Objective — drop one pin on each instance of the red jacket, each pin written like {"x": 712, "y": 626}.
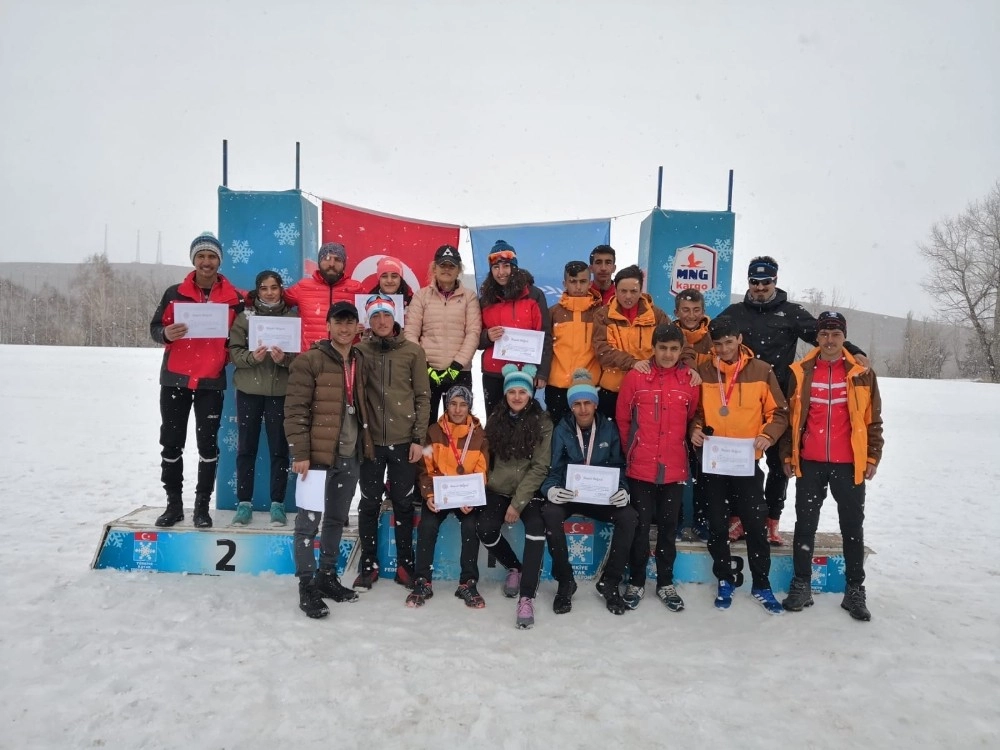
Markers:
{"x": 313, "y": 296}
{"x": 194, "y": 363}
{"x": 653, "y": 414}
{"x": 528, "y": 311}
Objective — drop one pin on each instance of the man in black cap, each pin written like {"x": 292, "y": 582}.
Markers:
{"x": 772, "y": 326}
{"x": 834, "y": 439}
{"x": 326, "y": 423}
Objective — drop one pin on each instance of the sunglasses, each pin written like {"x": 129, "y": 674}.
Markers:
{"x": 762, "y": 282}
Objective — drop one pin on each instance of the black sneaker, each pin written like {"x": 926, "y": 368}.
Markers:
{"x": 422, "y": 591}
{"x": 799, "y": 595}
{"x": 612, "y": 597}
{"x": 855, "y": 603}
{"x": 468, "y": 593}
{"x": 173, "y": 514}
{"x": 563, "y": 602}
{"x": 310, "y": 601}
{"x": 329, "y": 587}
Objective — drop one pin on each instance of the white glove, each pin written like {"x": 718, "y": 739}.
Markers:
{"x": 559, "y": 495}
{"x": 619, "y": 499}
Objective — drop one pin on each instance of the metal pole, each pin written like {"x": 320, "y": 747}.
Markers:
{"x": 659, "y": 188}
{"x": 298, "y": 153}
{"x": 729, "y": 201}
{"x": 225, "y": 163}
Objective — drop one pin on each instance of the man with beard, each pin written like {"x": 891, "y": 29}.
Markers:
{"x": 315, "y": 294}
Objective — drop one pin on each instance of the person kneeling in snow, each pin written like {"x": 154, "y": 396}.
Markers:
{"x": 584, "y": 437}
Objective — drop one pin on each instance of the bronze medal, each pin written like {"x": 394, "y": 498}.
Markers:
{"x": 460, "y": 469}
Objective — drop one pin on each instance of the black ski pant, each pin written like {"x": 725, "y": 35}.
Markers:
{"x": 555, "y": 402}
{"x": 438, "y": 390}
{"x": 395, "y": 461}
{"x": 607, "y": 402}
{"x": 175, "y": 408}
{"x": 341, "y": 481}
{"x": 776, "y": 487}
{"x": 624, "y": 519}
{"x": 488, "y": 524}
{"x": 659, "y": 501}
{"x": 427, "y": 534}
{"x": 743, "y": 497}
{"x": 810, "y": 492}
{"x": 492, "y": 392}
{"x": 250, "y": 411}
{"x": 698, "y": 503}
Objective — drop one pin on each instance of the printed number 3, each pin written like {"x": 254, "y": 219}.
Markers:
{"x": 223, "y": 563}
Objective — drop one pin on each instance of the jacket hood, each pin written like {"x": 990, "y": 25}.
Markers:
{"x": 580, "y": 304}
{"x": 644, "y": 315}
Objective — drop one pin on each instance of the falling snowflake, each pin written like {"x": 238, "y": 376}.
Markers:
{"x": 286, "y": 277}
{"x": 231, "y": 439}
{"x": 240, "y": 251}
{"x": 115, "y": 539}
{"x": 145, "y": 551}
{"x": 287, "y": 233}
{"x": 579, "y": 550}
{"x": 724, "y": 249}
{"x": 715, "y": 297}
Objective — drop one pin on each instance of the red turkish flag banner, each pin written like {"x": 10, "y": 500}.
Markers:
{"x": 369, "y": 235}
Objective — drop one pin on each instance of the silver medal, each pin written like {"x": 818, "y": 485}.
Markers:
{"x": 350, "y": 409}
{"x": 724, "y": 410}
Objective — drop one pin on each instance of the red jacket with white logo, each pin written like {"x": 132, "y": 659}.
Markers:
{"x": 527, "y": 310}
{"x": 827, "y": 436}
{"x": 653, "y": 414}
{"x": 313, "y": 296}
{"x": 194, "y": 363}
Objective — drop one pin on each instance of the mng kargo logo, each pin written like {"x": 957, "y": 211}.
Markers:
{"x": 694, "y": 268}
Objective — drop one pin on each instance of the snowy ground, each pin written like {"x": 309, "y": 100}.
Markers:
{"x": 125, "y": 660}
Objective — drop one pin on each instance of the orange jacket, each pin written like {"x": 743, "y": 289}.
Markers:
{"x": 864, "y": 404}
{"x": 619, "y": 343}
{"x": 573, "y": 338}
{"x": 756, "y": 405}
{"x": 439, "y": 458}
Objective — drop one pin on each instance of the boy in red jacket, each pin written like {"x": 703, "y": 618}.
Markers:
{"x": 653, "y": 413}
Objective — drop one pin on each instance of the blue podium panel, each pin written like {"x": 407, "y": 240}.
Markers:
{"x": 134, "y": 543}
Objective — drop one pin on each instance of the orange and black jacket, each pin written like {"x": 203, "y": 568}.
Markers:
{"x": 572, "y": 320}
{"x": 439, "y": 458}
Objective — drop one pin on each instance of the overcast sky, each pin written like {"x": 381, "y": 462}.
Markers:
{"x": 852, "y": 126}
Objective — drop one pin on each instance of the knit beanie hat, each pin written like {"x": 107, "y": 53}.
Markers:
{"x": 461, "y": 391}
{"x": 379, "y": 303}
{"x": 515, "y": 378}
{"x": 582, "y": 389}
{"x": 206, "y": 241}
{"x": 332, "y": 248}
{"x": 831, "y": 320}
{"x": 502, "y": 252}
{"x": 388, "y": 264}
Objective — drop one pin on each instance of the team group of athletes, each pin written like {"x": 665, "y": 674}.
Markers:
{"x": 624, "y": 388}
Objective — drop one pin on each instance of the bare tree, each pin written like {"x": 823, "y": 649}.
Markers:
{"x": 963, "y": 253}
{"x": 923, "y": 354}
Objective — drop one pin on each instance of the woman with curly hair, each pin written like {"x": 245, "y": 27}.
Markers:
{"x": 519, "y": 433}
{"x": 509, "y": 299}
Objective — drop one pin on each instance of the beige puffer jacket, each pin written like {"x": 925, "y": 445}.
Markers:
{"x": 447, "y": 328}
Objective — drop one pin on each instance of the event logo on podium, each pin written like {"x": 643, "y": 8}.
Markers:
{"x": 695, "y": 267}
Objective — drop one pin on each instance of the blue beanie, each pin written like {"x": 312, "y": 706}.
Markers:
{"x": 582, "y": 389}
{"x": 206, "y": 241}
{"x": 502, "y": 252}
{"x": 515, "y": 378}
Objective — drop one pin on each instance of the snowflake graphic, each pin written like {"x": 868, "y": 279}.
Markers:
{"x": 279, "y": 545}
{"x": 231, "y": 439}
{"x": 240, "y": 251}
{"x": 818, "y": 577}
{"x": 145, "y": 551}
{"x": 579, "y": 550}
{"x": 606, "y": 533}
{"x": 724, "y": 249}
{"x": 232, "y": 482}
{"x": 115, "y": 539}
{"x": 668, "y": 265}
{"x": 286, "y": 277}
{"x": 287, "y": 233}
{"x": 841, "y": 565}
{"x": 715, "y": 297}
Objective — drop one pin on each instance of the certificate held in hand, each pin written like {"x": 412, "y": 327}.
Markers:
{"x": 275, "y": 331}
{"x": 520, "y": 345}
{"x": 733, "y": 457}
{"x": 205, "y": 320}
{"x": 592, "y": 484}
{"x": 460, "y": 491}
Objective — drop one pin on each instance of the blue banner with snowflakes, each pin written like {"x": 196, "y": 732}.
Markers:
{"x": 688, "y": 250}
{"x": 542, "y": 249}
{"x": 259, "y": 230}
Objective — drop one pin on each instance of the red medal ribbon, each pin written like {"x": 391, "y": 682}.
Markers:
{"x": 349, "y": 384}
{"x": 729, "y": 391}
{"x": 459, "y": 459}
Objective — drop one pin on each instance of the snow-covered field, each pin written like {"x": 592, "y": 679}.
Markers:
{"x": 137, "y": 660}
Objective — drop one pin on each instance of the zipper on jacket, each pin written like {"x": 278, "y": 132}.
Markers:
{"x": 829, "y": 409}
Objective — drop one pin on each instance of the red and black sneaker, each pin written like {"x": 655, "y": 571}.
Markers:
{"x": 422, "y": 591}
{"x": 404, "y": 577}
{"x": 468, "y": 593}
{"x": 367, "y": 578}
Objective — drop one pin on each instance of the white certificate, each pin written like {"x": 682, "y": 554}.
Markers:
{"x": 593, "y": 484}
{"x": 456, "y": 492}
{"x": 734, "y": 457}
{"x": 310, "y": 493}
{"x": 520, "y": 345}
{"x": 397, "y": 300}
{"x": 274, "y": 330}
{"x": 205, "y": 320}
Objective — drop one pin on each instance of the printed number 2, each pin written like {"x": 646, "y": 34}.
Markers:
{"x": 737, "y": 565}
{"x": 223, "y": 563}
